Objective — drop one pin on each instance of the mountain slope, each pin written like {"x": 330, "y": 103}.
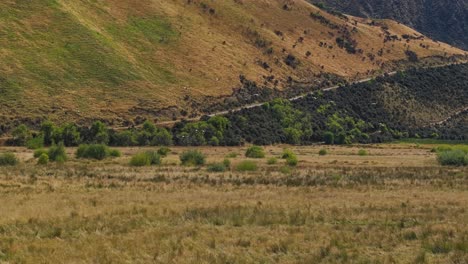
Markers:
{"x": 118, "y": 59}
{"x": 444, "y": 20}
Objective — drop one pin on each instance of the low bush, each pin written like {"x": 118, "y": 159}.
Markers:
{"x": 192, "y": 158}
{"x": 96, "y": 151}
{"x": 255, "y": 152}
{"x": 290, "y": 157}
{"x": 287, "y": 153}
{"x": 8, "y": 159}
{"x": 217, "y": 167}
{"x": 39, "y": 152}
{"x": 35, "y": 143}
{"x": 164, "y": 151}
{"x": 57, "y": 153}
{"x": 453, "y": 158}
{"x": 362, "y": 152}
{"x": 145, "y": 159}
{"x": 323, "y": 152}
{"x": 43, "y": 159}
{"x": 292, "y": 161}
{"x": 272, "y": 161}
{"x": 115, "y": 153}
{"x": 247, "y": 166}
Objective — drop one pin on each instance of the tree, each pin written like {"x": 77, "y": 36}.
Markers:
{"x": 162, "y": 137}
{"x": 99, "y": 133}
{"x": 47, "y": 130}
{"x": 329, "y": 138}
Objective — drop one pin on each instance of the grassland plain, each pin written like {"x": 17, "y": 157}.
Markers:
{"x": 394, "y": 205}
{"x": 108, "y": 59}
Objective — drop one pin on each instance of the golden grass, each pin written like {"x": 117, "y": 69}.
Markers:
{"x": 394, "y": 206}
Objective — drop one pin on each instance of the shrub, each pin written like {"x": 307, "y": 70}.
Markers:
{"x": 115, "y": 153}
{"x": 57, "y": 153}
{"x": 290, "y": 157}
{"x": 247, "y": 166}
{"x": 453, "y": 158}
{"x": 255, "y": 152}
{"x": 323, "y": 152}
{"x": 192, "y": 158}
{"x": 272, "y": 161}
{"x": 164, "y": 151}
{"x": 35, "y": 143}
{"x": 140, "y": 160}
{"x": 95, "y": 151}
{"x": 362, "y": 152}
{"x": 287, "y": 153}
{"x": 145, "y": 159}
{"x": 217, "y": 167}
{"x": 154, "y": 157}
{"x": 8, "y": 159}
{"x": 43, "y": 159}
{"x": 39, "y": 152}
{"x": 292, "y": 161}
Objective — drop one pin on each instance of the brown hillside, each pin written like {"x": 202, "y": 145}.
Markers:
{"x": 116, "y": 59}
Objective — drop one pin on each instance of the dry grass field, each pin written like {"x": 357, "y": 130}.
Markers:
{"x": 394, "y": 205}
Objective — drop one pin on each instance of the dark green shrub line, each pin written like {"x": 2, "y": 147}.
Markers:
{"x": 352, "y": 114}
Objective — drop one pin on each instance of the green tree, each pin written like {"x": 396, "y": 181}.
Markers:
{"x": 99, "y": 133}
{"x": 47, "y": 130}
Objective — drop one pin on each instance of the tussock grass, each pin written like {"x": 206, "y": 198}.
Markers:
{"x": 341, "y": 213}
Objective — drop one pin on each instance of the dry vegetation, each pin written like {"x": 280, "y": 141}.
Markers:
{"x": 115, "y": 59}
{"x": 394, "y": 205}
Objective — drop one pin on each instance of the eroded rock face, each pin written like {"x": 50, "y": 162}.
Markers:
{"x": 443, "y": 20}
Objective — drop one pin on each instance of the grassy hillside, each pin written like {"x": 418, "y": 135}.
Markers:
{"x": 117, "y": 60}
